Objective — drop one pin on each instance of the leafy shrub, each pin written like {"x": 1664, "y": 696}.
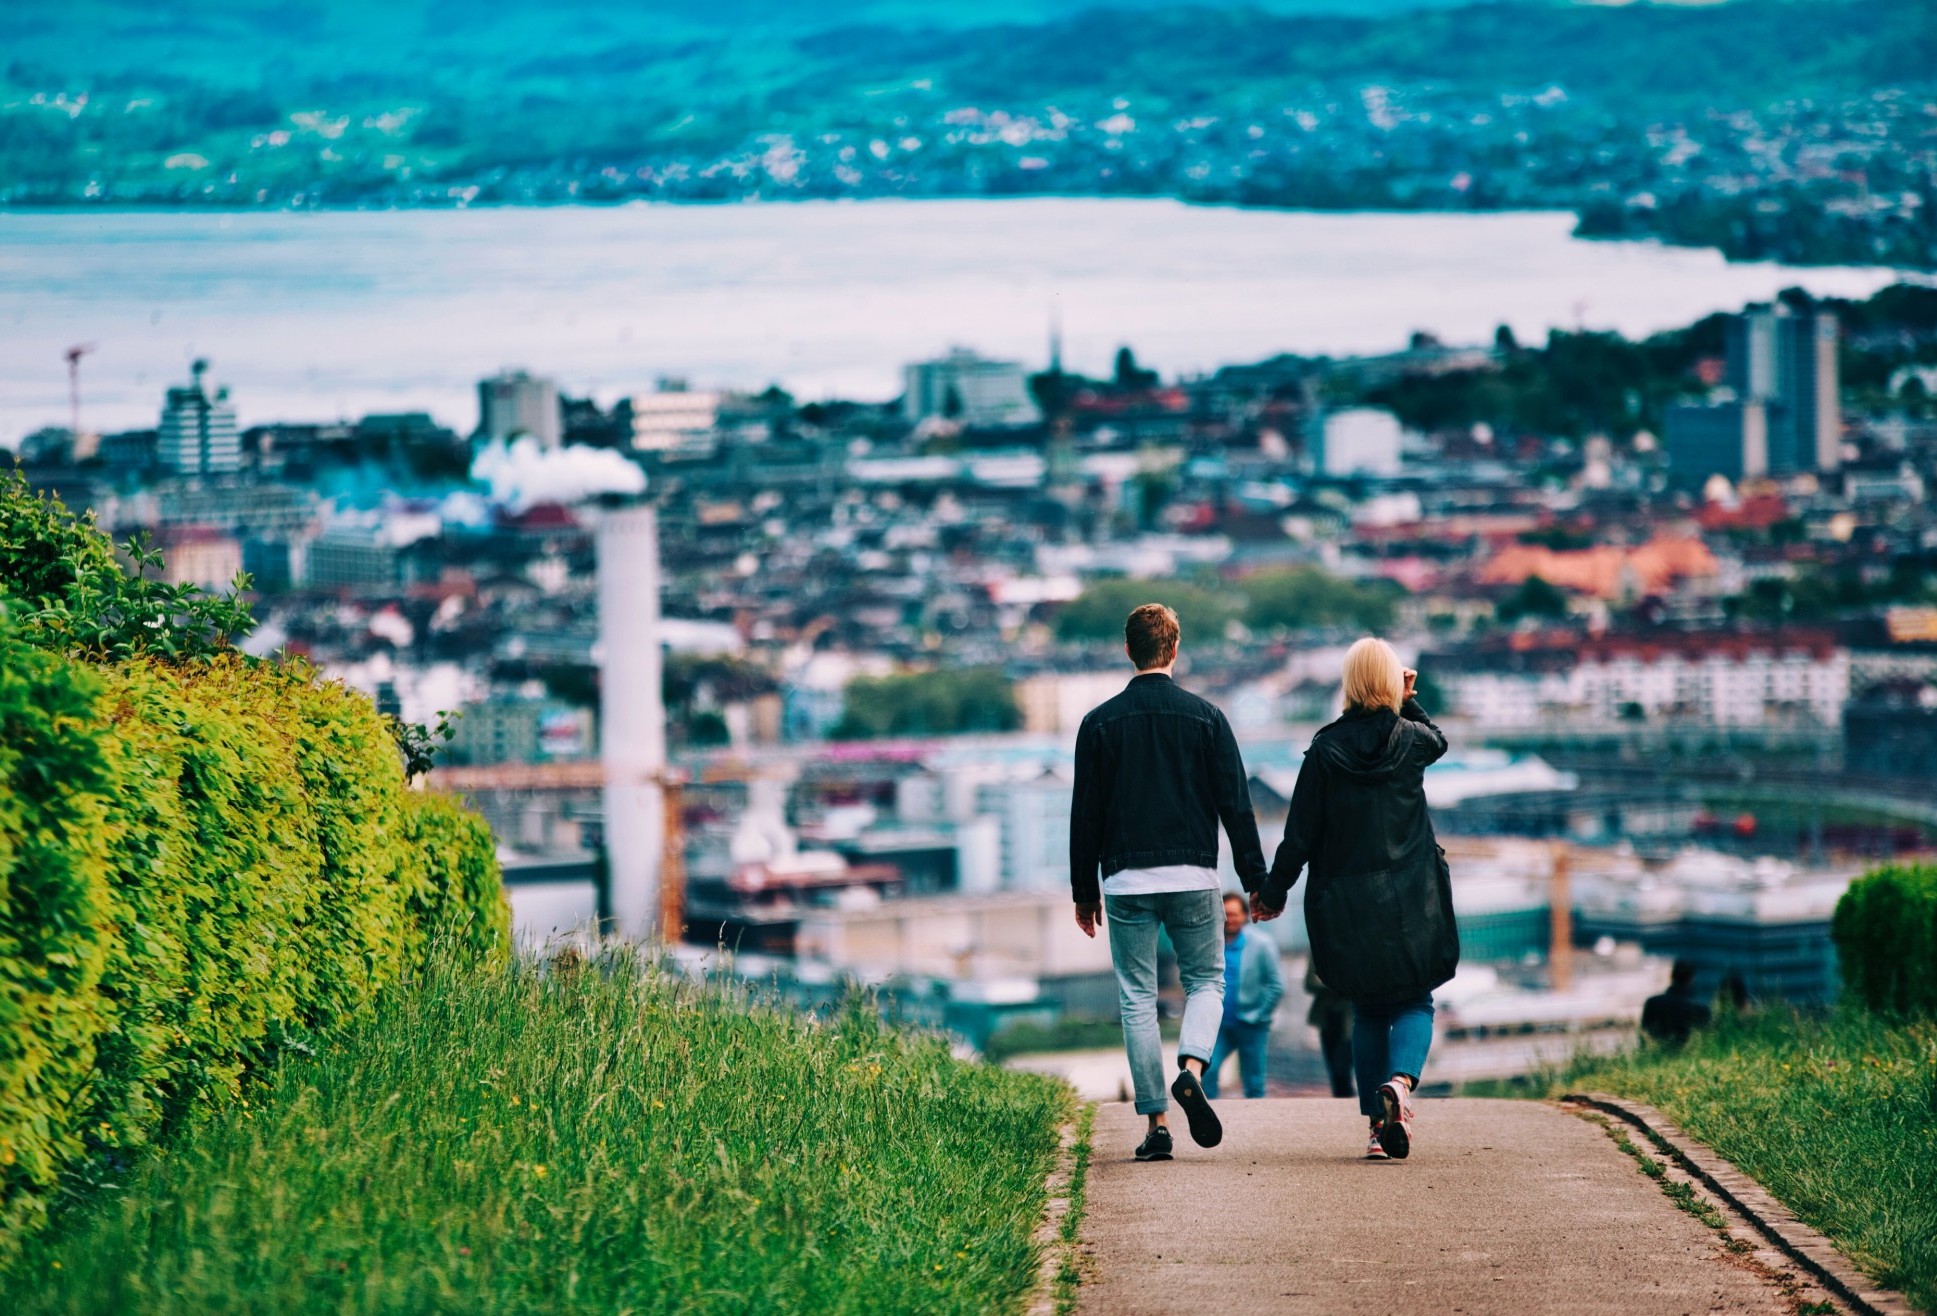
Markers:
{"x": 928, "y": 704}
{"x": 1098, "y": 613}
{"x": 1294, "y": 598}
{"x": 71, "y": 595}
{"x": 200, "y": 864}
{"x": 1886, "y": 937}
{"x": 55, "y": 896}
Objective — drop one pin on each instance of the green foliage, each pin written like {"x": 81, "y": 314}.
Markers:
{"x": 200, "y": 864}
{"x": 56, "y": 891}
{"x": 66, "y": 591}
{"x": 1276, "y": 598}
{"x": 1836, "y": 1116}
{"x": 1297, "y": 598}
{"x": 1099, "y": 612}
{"x": 936, "y": 703}
{"x": 1578, "y": 384}
{"x": 1818, "y": 593}
{"x": 417, "y": 744}
{"x": 1886, "y": 939}
{"x": 1022, "y": 1038}
{"x": 1533, "y": 597}
{"x": 582, "y": 1138}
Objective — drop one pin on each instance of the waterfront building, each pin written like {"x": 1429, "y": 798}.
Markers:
{"x": 198, "y": 434}
{"x": 968, "y": 388}
{"x": 513, "y": 403}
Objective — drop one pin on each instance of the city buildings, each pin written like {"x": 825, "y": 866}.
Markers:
{"x": 513, "y": 403}
{"x": 198, "y": 434}
{"x": 1578, "y": 616}
{"x": 1702, "y": 680}
{"x": 200, "y": 555}
{"x": 1356, "y": 441}
{"x": 969, "y": 389}
{"x": 1779, "y": 412}
{"x": 673, "y": 417}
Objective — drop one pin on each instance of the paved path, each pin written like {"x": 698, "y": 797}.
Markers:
{"x": 1504, "y": 1206}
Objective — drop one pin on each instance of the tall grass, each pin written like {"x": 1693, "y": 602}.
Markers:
{"x": 601, "y": 1139}
{"x": 1836, "y": 1115}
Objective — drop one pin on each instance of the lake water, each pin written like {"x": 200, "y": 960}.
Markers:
{"x": 318, "y": 316}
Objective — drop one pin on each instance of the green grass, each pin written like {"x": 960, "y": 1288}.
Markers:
{"x": 600, "y": 1140}
{"x": 1836, "y": 1116}
{"x": 1069, "y": 1274}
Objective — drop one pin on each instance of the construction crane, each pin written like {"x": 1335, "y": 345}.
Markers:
{"x": 74, "y": 355}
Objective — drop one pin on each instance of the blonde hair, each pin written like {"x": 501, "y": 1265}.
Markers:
{"x": 1374, "y": 677}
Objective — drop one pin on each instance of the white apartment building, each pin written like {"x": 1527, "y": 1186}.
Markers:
{"x": 672, "y": 417}
{"x": 1715, "y": 680}
{"x": 968, "y": 388}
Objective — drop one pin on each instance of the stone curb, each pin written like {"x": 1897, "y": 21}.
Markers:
{"x": 1802, "y": 1244}
{"x": 1048, "y": 1236}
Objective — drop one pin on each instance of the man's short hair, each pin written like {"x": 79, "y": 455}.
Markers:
{"x": 1229, "y": 896}
{"x": 1151, "y": 632}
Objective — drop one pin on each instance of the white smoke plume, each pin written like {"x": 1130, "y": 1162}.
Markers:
{"x": 522, "y": 474}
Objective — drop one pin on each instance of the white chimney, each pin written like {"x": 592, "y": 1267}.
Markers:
{"x": 632, "y": 716}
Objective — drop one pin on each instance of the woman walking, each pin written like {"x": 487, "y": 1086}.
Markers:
{"x": 1379, "y": 905}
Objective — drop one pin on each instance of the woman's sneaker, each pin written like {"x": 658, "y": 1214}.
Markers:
{"x": 1395, "y": 1132}
{"x": 1373, "y": 1150}
{"x": 1155, "y": 1145}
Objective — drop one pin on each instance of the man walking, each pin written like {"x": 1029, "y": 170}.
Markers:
{"x": 1253, "y": 985}
{"x": 1156, "y": 771}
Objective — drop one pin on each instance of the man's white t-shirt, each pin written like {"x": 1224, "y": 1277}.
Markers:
{"x": 1155, "y": 881}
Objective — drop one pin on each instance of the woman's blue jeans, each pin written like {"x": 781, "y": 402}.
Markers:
{"x": 1388, "y": 1040}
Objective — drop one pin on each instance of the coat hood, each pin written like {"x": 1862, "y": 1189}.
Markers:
{"x": 1368, "y": 745}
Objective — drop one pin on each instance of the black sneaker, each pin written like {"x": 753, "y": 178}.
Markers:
{"x": 1155, "y": 1145}
{"x": 1206, "y": 1130}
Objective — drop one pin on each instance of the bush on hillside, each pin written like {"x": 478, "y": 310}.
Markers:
{"x": 1099, "y": 612}
{"x": 1886, "y": 937}
{"x": 974, "y": 699}
{"x": 69, "y": 593}
{"x": 199, "y": 864}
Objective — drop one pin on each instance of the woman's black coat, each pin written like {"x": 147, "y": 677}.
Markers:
{"x": 1379, "y": 905}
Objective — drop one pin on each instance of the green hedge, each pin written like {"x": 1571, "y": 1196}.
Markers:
{"x": 1886, "y": 937}
{"x": 200, "y": 865}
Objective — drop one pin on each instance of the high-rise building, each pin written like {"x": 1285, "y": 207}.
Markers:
{"x": 198, "y": 434}
{"x": 968, "y": 388}
{"x": 1780, "y": 414}
{"x": 1784, "y": 356}
{"x": 513, "y": 403}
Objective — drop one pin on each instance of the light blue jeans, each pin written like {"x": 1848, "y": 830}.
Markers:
{"x": 1195, "y": 922}
{"x": 1248, "y": 1042}
{"x": 1388, "y": 1040}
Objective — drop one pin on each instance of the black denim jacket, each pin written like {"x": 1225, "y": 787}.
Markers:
{"x": 1156, "y": 769}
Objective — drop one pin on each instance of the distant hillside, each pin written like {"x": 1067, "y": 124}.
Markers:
{"x": 1767, "y": 127}
{"x": 211, "y": 36}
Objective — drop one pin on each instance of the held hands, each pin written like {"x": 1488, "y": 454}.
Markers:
{"x": 1261, "y": 912}
{"x": 1412, "y": 680}
{"x": 1088, "y": 917}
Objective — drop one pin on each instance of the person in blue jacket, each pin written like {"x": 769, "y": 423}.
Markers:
{"x": 1253, "y": 986}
